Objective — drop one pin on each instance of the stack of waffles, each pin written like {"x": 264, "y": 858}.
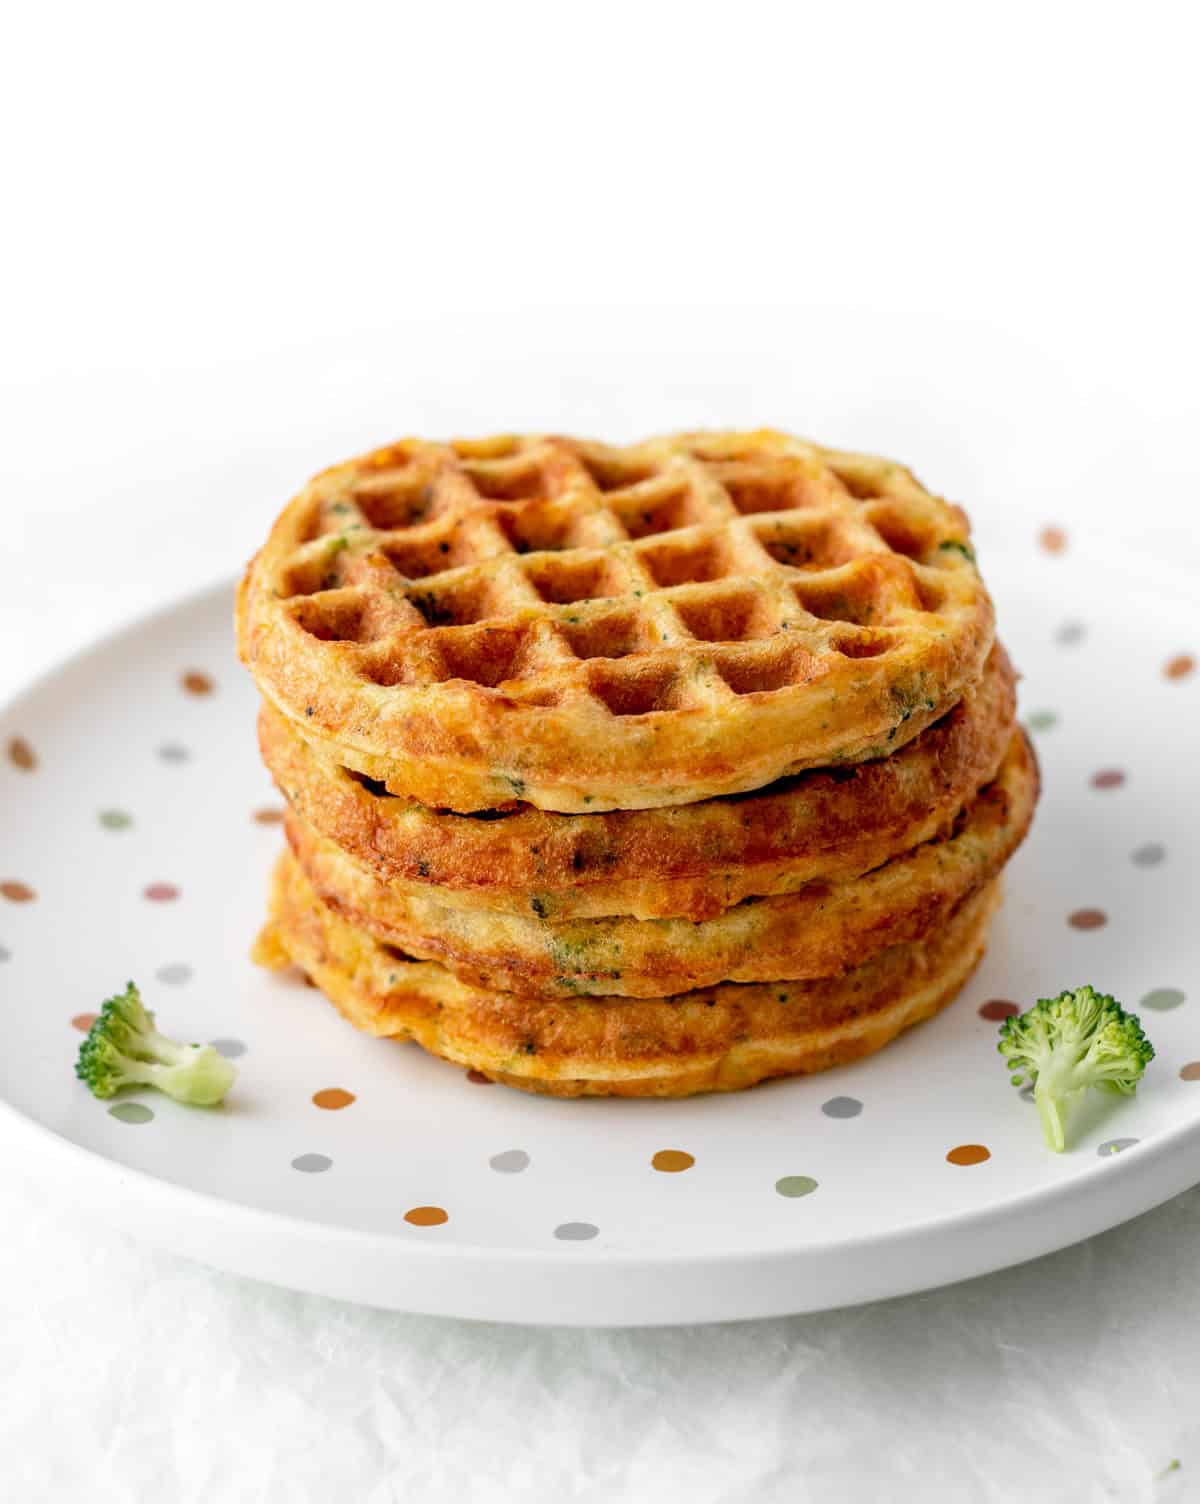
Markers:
{"x": 639, "y": 770}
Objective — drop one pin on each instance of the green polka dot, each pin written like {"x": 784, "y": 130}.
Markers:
{"x": 115, "y": 819}
{"x": 576, "y": 1232}
{"x": 175, "y": 973}
{"x": 1162, "y": 998}
{"x": 1151, "y": 854}
{"x": 796, "y": 1185}
{"x": 1042, "y": 720}
{"x": 510, "y": 1161}
{"x": 131, "y": 1112}
{"x": 312, "y": 1164}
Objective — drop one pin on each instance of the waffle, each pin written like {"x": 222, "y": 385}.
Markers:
{"x": 721, "y": 1039}
{"x": 820, "y": 931}
{"x": 692, "y": 861}
{"x": 581, "y": 627}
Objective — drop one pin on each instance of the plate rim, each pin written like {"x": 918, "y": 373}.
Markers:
{"x": 120, "y": 1195}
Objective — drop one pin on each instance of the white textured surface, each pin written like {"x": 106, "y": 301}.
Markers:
{"x": 174, "y": 197}
{"x": 131, "y": 1376}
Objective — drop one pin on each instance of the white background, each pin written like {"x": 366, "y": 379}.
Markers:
{"x": 241, "y": 241}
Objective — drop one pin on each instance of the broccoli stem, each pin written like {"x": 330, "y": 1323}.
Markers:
{"x": 199, "y": 1081}
{"x": 1050, "y": 1112}
{"x": 166, "y": 1051}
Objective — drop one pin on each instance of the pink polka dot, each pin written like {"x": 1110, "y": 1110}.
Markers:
{"x": 161, "y": 892}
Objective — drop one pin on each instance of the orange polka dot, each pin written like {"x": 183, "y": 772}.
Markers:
{"x": 968, "y": 1154}
{"x": 195, "y": 682}
{"x": 1191, "y": 1071}
{"x": 83, "y": 1022}
{"x": 426, "y": 1216}
{"x": 268, "y": 816}
{"x": 1053, "y": 539}
{"x": 17, "y": 892}
{"x": 1088, "y": 919}
{"x": 22, "y": 755}
{"x": 1180, "y": 666}
{"x": 333, "y": 1098}
{"x": 671, "y": 1161}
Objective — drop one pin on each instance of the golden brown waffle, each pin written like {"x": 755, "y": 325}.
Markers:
{"x": 722, "y": 1039}
{"x": 583, "y": 627}
{"x": 820, "y": 931}
{"x": 690, "y": 861}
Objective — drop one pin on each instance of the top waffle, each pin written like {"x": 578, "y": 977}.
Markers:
{"x": 583, "y": 627}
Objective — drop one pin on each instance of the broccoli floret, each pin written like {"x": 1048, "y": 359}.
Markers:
{"x": 1067, "y": 1043}
{"x": 123, "y": 1048}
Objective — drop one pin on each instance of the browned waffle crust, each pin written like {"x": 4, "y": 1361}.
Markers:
{"x": 582, "y": 627}
{"x": 721, "y": 1039}
{"x": 689, "y": 861}
{"x": 820, "y": 930}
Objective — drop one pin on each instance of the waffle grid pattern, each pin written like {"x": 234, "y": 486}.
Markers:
{"x": 669, "y": 575}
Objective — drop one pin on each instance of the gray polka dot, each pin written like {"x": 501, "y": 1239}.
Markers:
{"x": 230, "y": 1048}
{"x": 1115, "y": 1145}
{"x": 5, "y": 954}
{"x": 1042, "y": 720}
{"x": 1069, "y": 633}
{"x": 1152, "y": 854}
{"x": 575, "y": 1232}
{"x": 510, "y": 1162}
{"x": 796, "y": 1185}
{"x": 131, "y": 1112}
{"x": 1163, "y": 998}
{"x": 115, "y": 819}
{"x": 174, "y": 974}
{"x": 173, "y": 752}
{"x": 312, "y": 1164}
{"x": 842, "y": 1107}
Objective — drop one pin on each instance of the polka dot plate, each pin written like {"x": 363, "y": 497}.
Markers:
{"x": 138, "y": 830}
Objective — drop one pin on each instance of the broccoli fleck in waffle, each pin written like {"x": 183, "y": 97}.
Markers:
{"x": 582, "y": 627}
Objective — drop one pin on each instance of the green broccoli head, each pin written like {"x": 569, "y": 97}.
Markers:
{"x": 1065, "y": 1044}
{"x": 123, "y": 1048}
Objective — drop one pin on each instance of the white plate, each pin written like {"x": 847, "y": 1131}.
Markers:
{"x": 554, "y": 1211}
